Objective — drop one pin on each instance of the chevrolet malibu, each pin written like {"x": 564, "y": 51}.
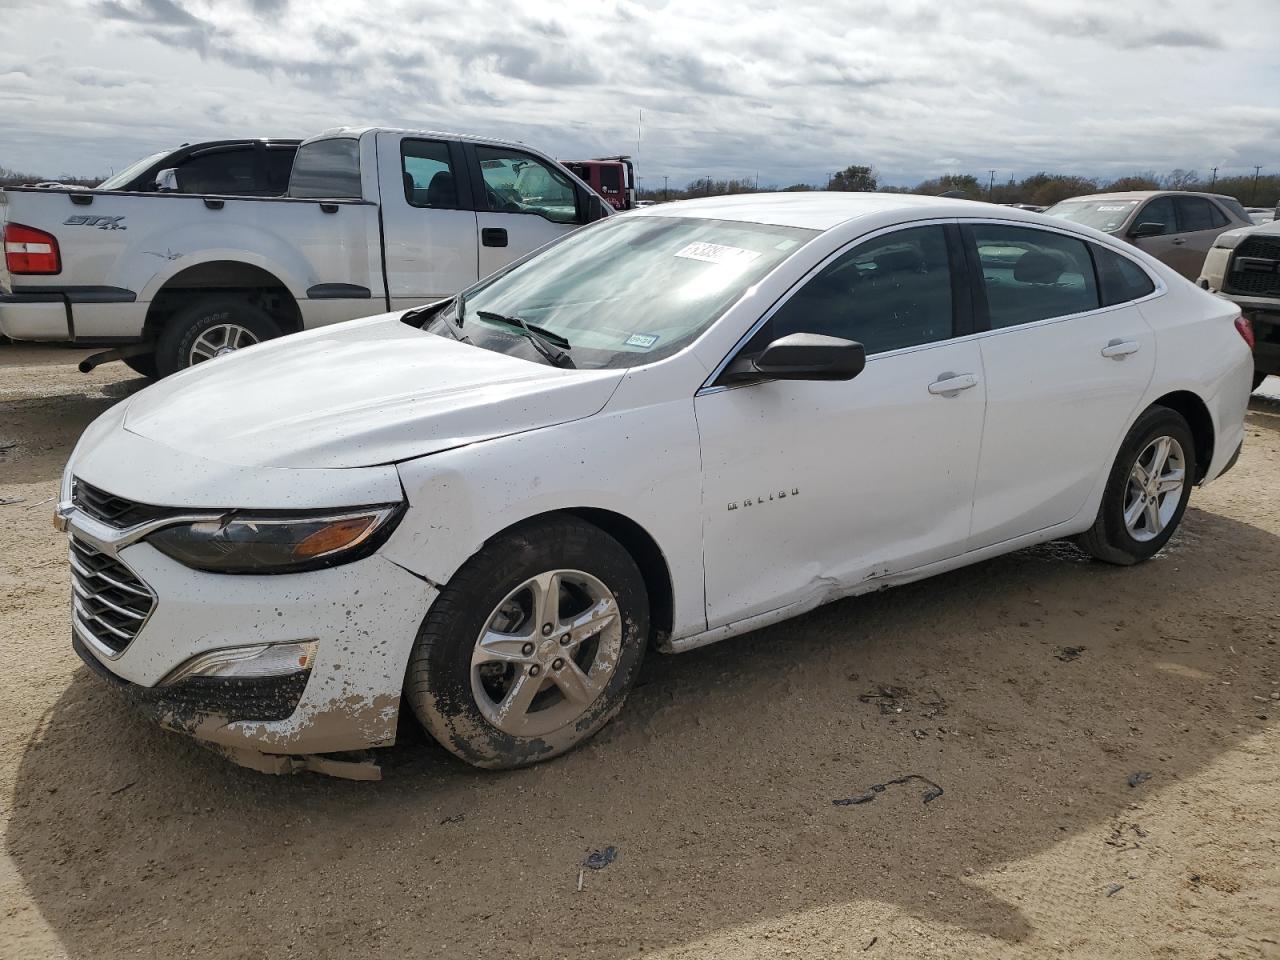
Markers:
{"x": 664, "y": 430}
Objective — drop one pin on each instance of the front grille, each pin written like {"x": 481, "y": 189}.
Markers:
{"x": 108, "y": 602}
{"x": 1255, "y": 267}
{"x": 112, "y": 510}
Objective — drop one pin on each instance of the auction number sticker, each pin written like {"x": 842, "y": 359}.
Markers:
{"x": 716, "y": 253}
{"x": 645, "y": 340}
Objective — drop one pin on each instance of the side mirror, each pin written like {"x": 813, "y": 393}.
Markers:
{"x": 594, "y": 207}
{"x": 801, "y": 356}
{"x": 167, "y": 180}
{"x": 1148, "y": 229}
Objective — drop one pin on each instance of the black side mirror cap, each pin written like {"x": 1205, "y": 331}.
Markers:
{"x": 801, "y": 356}
{"x": 1148, "y": 229}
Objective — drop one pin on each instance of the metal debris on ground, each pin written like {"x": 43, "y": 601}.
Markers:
{"x": 5, "y": 501}
{"x": 1114, "y": 889}
{"x": 1138, "y": 778}
{"x": 456, "y": 818}
{"x": 599, "y": 859}
{"x": 1067, "y": 654}
{"x": 894, "y": 700}
{"x": 42, "y": 502}
{"x": 1120, "y": 836}
{"x": 933, "y": 793}
{"x": 8, "y": 446}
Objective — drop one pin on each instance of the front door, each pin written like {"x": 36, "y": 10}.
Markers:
{"x": 812, "y": 488}
{"x": 1065, "y": 363}
{"x": 524, "y": 203}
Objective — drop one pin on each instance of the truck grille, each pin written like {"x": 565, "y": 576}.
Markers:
{"x": 1255, "y": 267}
{"x": 110, "y": 509}
{"x": 109, "y": 603}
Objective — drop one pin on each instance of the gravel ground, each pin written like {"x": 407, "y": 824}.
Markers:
{"x": 715, "y": 785}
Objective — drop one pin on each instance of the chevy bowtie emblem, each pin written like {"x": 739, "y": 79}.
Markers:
{"x": 752, "y": 501}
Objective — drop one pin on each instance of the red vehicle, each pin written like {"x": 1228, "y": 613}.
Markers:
{"x": 614, "y": 178}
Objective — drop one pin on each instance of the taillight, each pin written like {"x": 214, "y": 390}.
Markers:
{"x": 28, "y": 250}
{"x": 1245, "y": 329}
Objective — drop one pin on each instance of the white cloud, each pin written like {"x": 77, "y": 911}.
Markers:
{"x": 728, "y": 89}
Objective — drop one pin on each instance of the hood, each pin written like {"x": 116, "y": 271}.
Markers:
{"x": 357, "y": 394}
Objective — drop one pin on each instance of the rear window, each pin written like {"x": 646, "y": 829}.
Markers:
{"x": 611, "y": 179}
{"x": 1119, "y": 278}
{"x": 327, "y": 169}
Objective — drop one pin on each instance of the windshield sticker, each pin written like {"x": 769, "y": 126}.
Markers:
{"x": 716, "y": 253}
{"x": 645, "y": 340}
{"x": 1114, "y": 206}
{"x": 786, "y": 244}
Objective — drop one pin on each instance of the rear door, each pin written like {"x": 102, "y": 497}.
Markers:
{"x": 1199, "y": 223}
{"x": 1065, "y": 367}
{"x": 428, "y": 219}
{"x": 522, "y": 202}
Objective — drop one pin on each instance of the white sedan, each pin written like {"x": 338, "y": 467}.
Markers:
{"x": 669, "y": 428}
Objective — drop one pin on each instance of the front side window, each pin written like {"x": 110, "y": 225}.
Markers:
{"x": 515, "y": 182}
{"x": 624, "y": 292}
{"x": 1119, "y": 278}
{"x": 230, "y": 172}
{"x": 887, "y": 293}
{"x": 327, "y": 169}
{"x": 428, "y": 174}
{"x": 1032, "y": 275}
{"x": 1159, "y": 210}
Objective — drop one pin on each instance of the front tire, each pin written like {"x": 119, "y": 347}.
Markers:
{"x": 143, "y": 364}
{"x": 1147, "y": 491}
{"x": 533, "y": 645}
{"x": 211, "y": 328}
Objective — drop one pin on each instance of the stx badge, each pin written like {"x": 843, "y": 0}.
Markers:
{"x": 102, "y": 223}
{"x": 752, "y": 501}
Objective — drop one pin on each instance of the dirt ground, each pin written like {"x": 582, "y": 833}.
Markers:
{"x": 715, "y": 786}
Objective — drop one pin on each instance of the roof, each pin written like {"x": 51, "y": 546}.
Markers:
{"x": 1144, "y": 194}
{"x": 822, "y": 209}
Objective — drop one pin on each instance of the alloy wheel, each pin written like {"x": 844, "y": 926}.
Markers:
{"x": 220, "y": 339}
{"x": 1154, "y": 489}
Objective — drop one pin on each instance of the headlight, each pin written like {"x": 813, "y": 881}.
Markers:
{"x": 1229, "y": 240}
{"x": 267, "y": 544}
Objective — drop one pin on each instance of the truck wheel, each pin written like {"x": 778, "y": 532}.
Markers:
{"x": 1147, "y": 491}
{"x": 532, "y": 646}
{"x": 208, "y": 329}
{"x": 144, "y": 364}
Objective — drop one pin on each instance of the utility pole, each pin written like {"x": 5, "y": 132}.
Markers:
{"x": 1253, "y": 194}
{"x": 1215, "y": 178}
{"x": 757, "y": 181}
{"x": 665, "y": 196}
{"x": 991, "y": 185}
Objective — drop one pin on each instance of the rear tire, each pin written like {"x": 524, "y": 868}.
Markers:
{"x": 208, "y": 328}
{"x": 501, "y": 678}
{"x": 1142, "y": 507}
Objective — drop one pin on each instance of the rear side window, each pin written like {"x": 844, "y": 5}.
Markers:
{"x": 1032, "y": 274}
{"x": 327, "y": 169}
{"x": 428, "y": 174}
{"x": 1197, "y": 213}
{"x": 230, "y": 172}
{"x": 888, "y": 293}
{"x": 1119, "y": 278}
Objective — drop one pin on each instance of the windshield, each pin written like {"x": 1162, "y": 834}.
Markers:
{"x": 623, "y": 292}
{"x": 121, "y": 180}
{"x": 1104, "y": 215}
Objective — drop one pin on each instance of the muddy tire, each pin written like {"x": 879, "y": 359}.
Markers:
{"x": 1147, "y": 490}
{"x": 210, "y": 328}
{"x": 533, "y": 645}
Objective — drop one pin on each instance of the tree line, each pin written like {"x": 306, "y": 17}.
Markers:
{"x": 1041, "y": 189}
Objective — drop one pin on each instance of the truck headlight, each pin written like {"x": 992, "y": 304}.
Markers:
{"x": 1229, "y": 240}
{"x": 273, "y": 544}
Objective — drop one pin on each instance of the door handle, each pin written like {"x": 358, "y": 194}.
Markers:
{"x": 949, "y": 384}
{"x": 493, "y": 237}
{"x": 1119, "y": 349}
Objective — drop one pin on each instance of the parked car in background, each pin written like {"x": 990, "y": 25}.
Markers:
{"x": 1261, "y": 214}
{"x": 614, "y": 178}
{"x": 1244, "y": 267}
{"x": 1173, "y": 226}
{"x": 240, "y": 168}
{"x": 373, "y": 219}
{"x": 672, "y": 427}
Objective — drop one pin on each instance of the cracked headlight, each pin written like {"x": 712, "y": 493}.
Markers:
{"x": 277, "y": 544}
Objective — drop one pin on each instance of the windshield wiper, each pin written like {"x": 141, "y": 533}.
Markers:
{"x": 546, "y": 342}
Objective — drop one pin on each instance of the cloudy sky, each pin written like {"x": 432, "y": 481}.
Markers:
{"x": 788, "y": 90}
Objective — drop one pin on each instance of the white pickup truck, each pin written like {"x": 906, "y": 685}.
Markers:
{"x": 374, "y": 220}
